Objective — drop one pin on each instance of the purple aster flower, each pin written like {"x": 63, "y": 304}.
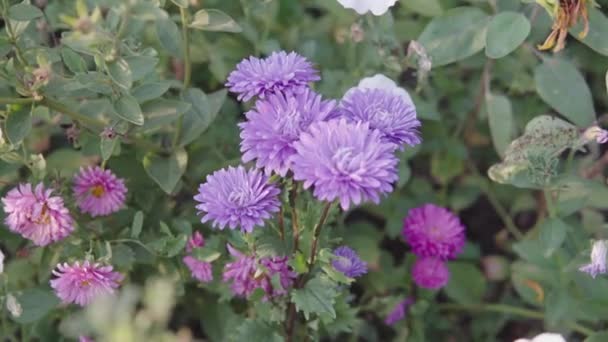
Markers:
{"x": 195, "y": 241}
{"x": 384, "y": 111}
{"x": 279, "y": 72}
{"x": 82, "y": 283}
{"x": 598, "y": 259}
{"x": 433, "y": 231}
{"x": 430, "y": 273}
{"x": 247, "y": 275}
{"x": 345, "y": 161}
{"x": 37, "y": 215}
{"x": 99, "y": 192}
{"x": 200, "y": 270}
{"x": 237, "y": 197}
{"x": 280, "y": 266}
{"x": 348, "y": 262}
{"x": 276, "y": 123}
{"x": 399, "y": 311}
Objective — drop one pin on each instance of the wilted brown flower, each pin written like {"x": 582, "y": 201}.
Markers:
{"x": 565, "y": 15}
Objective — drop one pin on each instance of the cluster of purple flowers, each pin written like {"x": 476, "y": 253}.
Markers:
{"x": 200, "y": 270}
{"x": 248, "y": 273}
{"x": 435, "y": 235}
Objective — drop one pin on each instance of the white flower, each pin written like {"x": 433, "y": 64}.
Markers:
{"x": 380, "y": 81}
{"x": 13, "y": 305}
{"x": 377, "y": 7}
{"x": 544, "y": 337}
{"x": 598, "y": 259}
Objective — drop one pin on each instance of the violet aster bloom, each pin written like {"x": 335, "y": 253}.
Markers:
{"x": 399, "y": 311}
{"x": 598, "y": 259}
{"x": 345, "y": 161}
{"x": 385, "y": 111}
{"x": 195, "y": 241}
{"x": 99, "y": 192}
{"x": 433, "y": 231}
{"x": 348, "y": 262}
{"x": 36, "y": 215}
{"x": 82, "y": 283}
{"x": 200, "y": 270}
{"x": 276, "y": 123}
{"x": 236, "y": 197}
{"x": 430, "y": 273}
{"x": 280, "y": 266}
{"x": 280, "y": 72}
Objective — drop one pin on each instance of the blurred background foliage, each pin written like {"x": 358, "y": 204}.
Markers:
{"x": 117, "y": 67}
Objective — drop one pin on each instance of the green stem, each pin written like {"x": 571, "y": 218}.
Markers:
{"x": 550, "y": 204}
{"x": 317, "y": 233}
{"x": 511, "y": 310}
{"x": 13, "y": 40}
{"x": 137, "y": 242}
{"x": 187, "y": 70}
{"x": 60, "y": 107}
{"x": 16, "y": 100}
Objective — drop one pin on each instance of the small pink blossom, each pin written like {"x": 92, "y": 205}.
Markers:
{"x": 80, "y": 283}
{"x": 99, "y": 192}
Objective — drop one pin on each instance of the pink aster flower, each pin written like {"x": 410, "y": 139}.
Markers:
{"x": 82, "y": 283}
{"x": 430, "y": 273}
{"x": 195, "y": 241}
{"x": 433, "y": 231}
{"x": 37, "y": 215}
{"x": 99, "y": 192}
{"x": 201, "y": 270}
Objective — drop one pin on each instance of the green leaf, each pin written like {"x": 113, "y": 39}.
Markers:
{"x": 166, "y": 171}
{"x": 429, "y": 8}
{"x": 36, "y": 303}
{"x": 563, "y": 87}
{"x": 73, "y": 61}
{"x": 467, "y": 284}
{"x": 120, "y": 72}
{"x": 598, "y": 31}
{"x": 214, "y": 20}
{"x": 500, "y": 118}
{"x": 128, "y": 109}
{"x": 169, "y": 36}
{"x": 180, "y": 3}
{"x": 123, "y": 256}
{"x": 317, "y": 297}
{"x": 161, "y": 112}
{"x": 24, "y": 12}
{"x": 552, "y": 235}
{"x": 18, "y": 125}
{"x": 176, "y": 245}
{"x": 137, "y": 225}
{"x": 107, "y": 147}
{"x": 255, "y": 330}
{"x": 141, "y": 66}
{"x": 150, "y": 91}
{"x": 206, "y": 254}
{"x": 506, "y": 32}
{"x": 601, "y": 336}
{"x": 204, "y": 110}
{"x": 457, "y": 34}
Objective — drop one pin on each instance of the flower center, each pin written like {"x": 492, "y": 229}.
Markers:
{"x": 85, "y": 283}
{"x": 289, "y": 123}
{"x": 98, "y": 190}
{"x": 241, "y": 197}
{"x": 342, "y": 158}
{"x": 44, "y": 217}
{"x": 343, "y": 262}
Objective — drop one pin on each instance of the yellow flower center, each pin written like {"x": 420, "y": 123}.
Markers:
{"x": 85, "y": 283}
{"x": 44, "y": 217}
{"x": 98, "y": 191}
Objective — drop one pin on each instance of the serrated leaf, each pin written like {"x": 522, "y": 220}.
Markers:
{"x": 169, "y": 36}
{"x": 36, "y": 303}
{"x": 137, "y": 224}
{"x": 166, "y": 171}
{"x": 563, "y": 87}
{"x": 18, "y": 125}
{"x": 120, "y": 73}
{"x": 500, "y": 118}
{"x": 214, "y": 20}
{"x": 127, "y": 108}
{"x": 506, "y": 32}
{"x": 24, "y": 12}
{"x": 317, "y": 297}
{"x": 457, "y": 34}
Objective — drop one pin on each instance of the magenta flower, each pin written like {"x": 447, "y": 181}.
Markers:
{"x": 345, "y": 161}
{"x": 195, "y": 241}
{"x": 200, "y": 270}
{"x": 433, "y": 231}
{"x": 99, "y": 192}
{"x": 236, "y": 197}
{"x": 82, "y": 283}
{"x": 385, "y": 111}
{"x": 36, "y": 215}
{"x": 348, "y": 262}
{"x": 280, "y": 72}
{"x": 247, "y": 274}
{"x": 276, "y": 123}
{"x": 430, "y": 273}
{"x": 399, "y": 311}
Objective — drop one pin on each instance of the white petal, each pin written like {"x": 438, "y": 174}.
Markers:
{"x": 377, "y": 7}
{"x": 549, "y": 337}
{"x": 382, "y": 82}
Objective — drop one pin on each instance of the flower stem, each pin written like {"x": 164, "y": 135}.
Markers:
{"x": 293, "y": 195}
{"x": 16, "y": 100}
{"x": 317, "y": 233}
{"x": 187, "y": 70}
{"x": 511, "y": 310}
{"x": 281, "y": 224}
